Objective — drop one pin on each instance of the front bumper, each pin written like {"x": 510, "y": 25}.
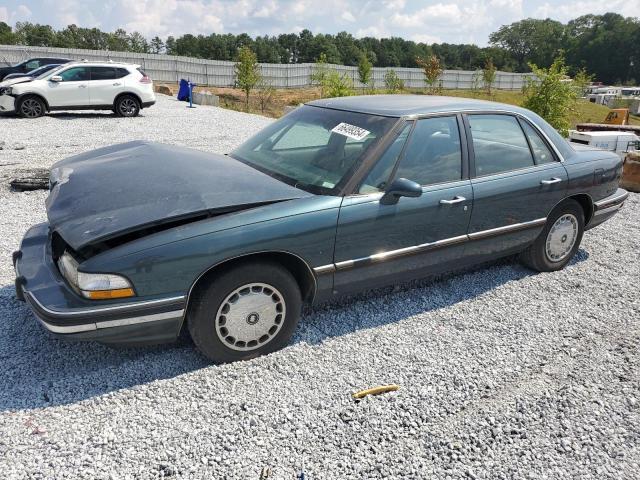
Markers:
{"x": 607, "y": 207}
{"x": 7, "y": 104}
{"x": 61, "y": 311}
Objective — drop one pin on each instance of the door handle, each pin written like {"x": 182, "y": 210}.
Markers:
{"x": 551, "y": 181}
{"x": 454, "y": 200}
{"x": 82, "y": 86}
{"x": 117, "y": 84}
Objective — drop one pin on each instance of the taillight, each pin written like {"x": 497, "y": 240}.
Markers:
{"x": 145, "y": 79}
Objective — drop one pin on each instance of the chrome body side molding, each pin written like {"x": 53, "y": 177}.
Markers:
{"x": 416, "y": 249}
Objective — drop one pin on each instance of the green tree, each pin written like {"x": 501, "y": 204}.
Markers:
{"x": 432, "y": 71}
{"x": 488, "y": 75}
{"x": 247, "y": 72}
{"x": 364, "y": 71}
{"x": 531, "y": 41}
{"x": 392, "y": 82}
{"x": 157, "y": 45}
{"x": 170, "y": 45}
{"x": 550, "y": 95}
{"x": 37, "y": 35}
{"x": 6, "y": 35}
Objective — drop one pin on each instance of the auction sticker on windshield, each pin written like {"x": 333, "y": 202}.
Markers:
{"x": 351, "y": 131}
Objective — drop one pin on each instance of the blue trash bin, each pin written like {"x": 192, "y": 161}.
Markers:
{"x": 183, "y": 91}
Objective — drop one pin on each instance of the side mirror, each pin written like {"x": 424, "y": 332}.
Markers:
{"x": 56, "y": 78}
{"x": 400, "y": 187}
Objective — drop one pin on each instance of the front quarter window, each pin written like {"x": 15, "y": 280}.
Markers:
{"x": 313, "y": 148}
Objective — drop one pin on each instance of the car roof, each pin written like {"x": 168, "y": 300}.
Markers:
{"x": 87, "y": 63}
{"x": 408, "y": 105}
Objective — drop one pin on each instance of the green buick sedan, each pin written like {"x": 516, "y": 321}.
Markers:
{"x": 144, "y": 241}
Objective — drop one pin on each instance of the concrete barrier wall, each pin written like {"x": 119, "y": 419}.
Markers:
{"x": 217, "y": 73}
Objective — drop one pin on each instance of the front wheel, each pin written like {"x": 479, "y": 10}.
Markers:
{"x": 559, "y": 241}
{"x": 127, "y": 106}
{"x": 31, "y": 107}
{"x": 245, "y": 312}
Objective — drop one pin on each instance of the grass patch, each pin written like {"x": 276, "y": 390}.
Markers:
{"x": 233, "y": 98}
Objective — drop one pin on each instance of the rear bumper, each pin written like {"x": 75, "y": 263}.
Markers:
{"x": 63, "y": 313}
{"x": 607, "y": 207}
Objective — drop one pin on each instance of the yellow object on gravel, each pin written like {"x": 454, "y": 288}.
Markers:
{"x": 375, "y": 391}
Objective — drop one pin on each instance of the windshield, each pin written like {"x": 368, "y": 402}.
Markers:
{"x": 50, "y": 72}
{"x": 315, "y": 149}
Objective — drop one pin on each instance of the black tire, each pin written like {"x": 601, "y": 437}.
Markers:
{"x": 537, "y": 255}
{"x": 207, "y": 322}
{"x": 31, "y": 106}
{"x": 127, "y": 106}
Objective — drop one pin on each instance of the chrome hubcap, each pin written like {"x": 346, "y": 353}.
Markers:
{"x": 562, "y": 237}
{"x": 31, "y": 108}
{"x": 250, "y": 316}
{"x": 128, "y": 107}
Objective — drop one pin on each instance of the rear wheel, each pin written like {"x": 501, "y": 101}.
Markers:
{"x": 31, "y": 107}
{"x": 127, "y": 106}
{"x": 559, "y": 240}
{"x": 245, "y": 312}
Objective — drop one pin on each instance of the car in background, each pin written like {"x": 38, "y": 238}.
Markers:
{"x": 32, "y": 74}
{"x": 145, "y": 240}
{"x": 123, "y": 88}
{"x": 31, "y": 64}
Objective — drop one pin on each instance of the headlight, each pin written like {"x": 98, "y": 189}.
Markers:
{"x": 95, "y": 286}
{"x": 7, "y": 91}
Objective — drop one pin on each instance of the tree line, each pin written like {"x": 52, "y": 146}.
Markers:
{"x": 607, "y": 46}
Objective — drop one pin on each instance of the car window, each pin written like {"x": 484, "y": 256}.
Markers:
{"x": 31, "y": 64}
{"x": 75, "y": 74}
{"x": 301, "y": 135}
{"x": 103, "y": 73}
{"x": 541, "y": 152}
{"x": 433, "y": 153}
{"x": 121, "y": 72}
{"x": 377, "y": 179}
{"x": 499, "y": 144}
{"x": 313, "y": 148}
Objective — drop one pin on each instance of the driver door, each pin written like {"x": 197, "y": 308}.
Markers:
{"x": 378, "y": 244}
{"x": 72, "y": 91}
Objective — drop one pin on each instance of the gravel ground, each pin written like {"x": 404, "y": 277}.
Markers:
{"x": 502, "y": 373}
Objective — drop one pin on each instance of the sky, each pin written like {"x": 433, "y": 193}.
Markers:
{"x": 464, "y": 21}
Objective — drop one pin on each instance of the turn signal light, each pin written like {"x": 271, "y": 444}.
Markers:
{"x": 108, "y": 294}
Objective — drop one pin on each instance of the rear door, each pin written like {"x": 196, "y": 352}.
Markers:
{"x": 105, "y": 85}
{"x": 377, "y": 244}
{"x": 517, "y": 180}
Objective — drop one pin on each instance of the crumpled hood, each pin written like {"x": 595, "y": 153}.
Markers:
{"x": 14, "y": 81}
{"x": 118, "y": 189}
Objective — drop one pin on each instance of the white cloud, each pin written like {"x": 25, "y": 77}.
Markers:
{"x": 4, "y": 14}
{"x": 394, "y": 4}
{"x": 570, "y": 10}
{"x": 347, "y": 16}
{"x": 23, "y": 11}
{"x": 424, "y": 38}
{"x": 266, "y": 10}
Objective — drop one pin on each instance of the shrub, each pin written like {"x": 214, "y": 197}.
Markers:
{"x": 550, "y": 95}
{"x": 247, "y": 72}
{"x": 336, "y": 85}
{"x": 392, "y": 82}
{"x": 364, "y": 71}
{"x": 432, "y": 71}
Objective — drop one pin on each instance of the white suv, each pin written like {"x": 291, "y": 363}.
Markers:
{"x": 120, "y": 87}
